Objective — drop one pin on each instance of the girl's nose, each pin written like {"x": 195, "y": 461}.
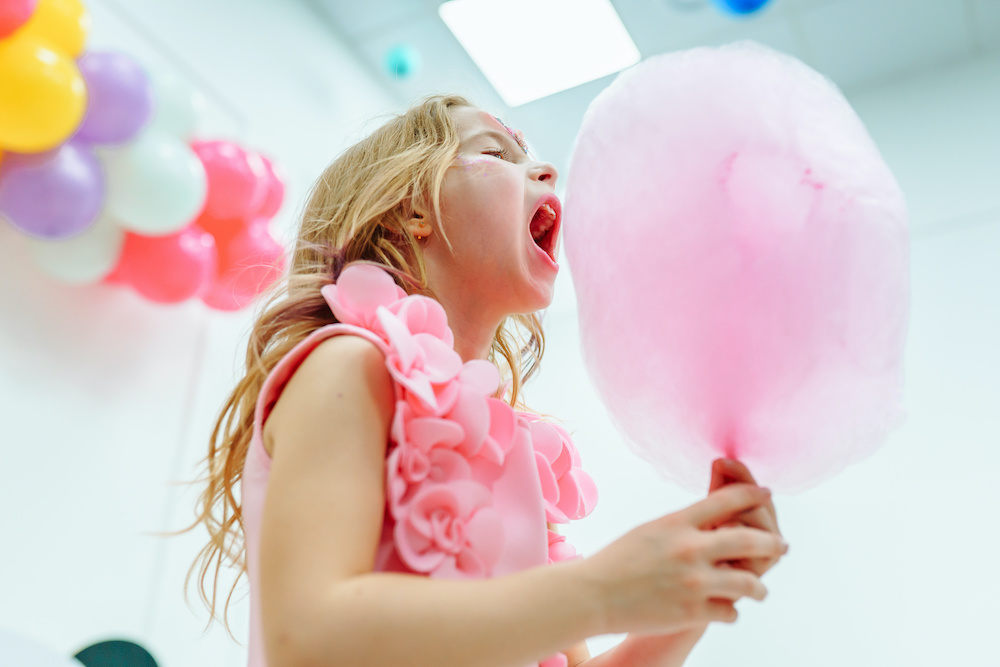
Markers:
{"x": 545, "y": 171}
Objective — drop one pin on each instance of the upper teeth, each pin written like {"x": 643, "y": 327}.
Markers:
{"x": 542, "y": 221}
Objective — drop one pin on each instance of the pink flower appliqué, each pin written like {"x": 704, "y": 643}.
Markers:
{"x": 422, "y": 363}
{"x": 569, "y": 492}
{"x": 357, "y": 294}
{"x": 559, "y": 548}
{"x": 425, "y": 451}
{"x": 450, "y": 531}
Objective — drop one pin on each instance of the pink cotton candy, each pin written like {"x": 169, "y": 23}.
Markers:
{"x": 740, "y": 254}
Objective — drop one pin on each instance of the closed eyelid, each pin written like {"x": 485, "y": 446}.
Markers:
{"x": 501, "y": 138}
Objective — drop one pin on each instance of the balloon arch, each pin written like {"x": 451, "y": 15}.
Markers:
{"x": 100, "y": 167}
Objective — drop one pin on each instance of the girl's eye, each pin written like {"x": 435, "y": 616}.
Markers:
{"x": 498, "y": 151}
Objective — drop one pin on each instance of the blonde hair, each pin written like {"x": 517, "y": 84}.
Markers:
{"x": 357, "y": 210}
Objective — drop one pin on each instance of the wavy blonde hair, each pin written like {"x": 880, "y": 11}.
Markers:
{"x": 357, "y": 210}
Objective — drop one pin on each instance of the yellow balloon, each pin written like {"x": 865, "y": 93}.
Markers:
{"x": 44, "y": 96}
{"x": 65, "y": 24}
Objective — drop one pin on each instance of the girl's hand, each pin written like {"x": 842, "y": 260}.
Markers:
{"x": 671, "y": 574}
{"x": 763, "y": 517}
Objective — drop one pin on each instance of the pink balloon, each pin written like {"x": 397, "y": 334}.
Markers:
{"x": 237, "y": 179}
{"x": 275, "y": 191}
{"x": 168, "y": 269}
{"x": 249, "y": 262}
{"x": 740, "y": 254}
{"x": 14, "y": 14}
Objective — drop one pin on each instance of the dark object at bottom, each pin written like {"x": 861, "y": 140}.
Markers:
{"x": 115, "y": 653}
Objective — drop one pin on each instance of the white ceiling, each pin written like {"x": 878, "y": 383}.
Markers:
{"x": 857, "y": 43}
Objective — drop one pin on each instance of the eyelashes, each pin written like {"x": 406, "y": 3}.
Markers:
{"x": 502, "y": 152}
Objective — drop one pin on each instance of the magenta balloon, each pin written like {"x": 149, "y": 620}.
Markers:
{"x": 740, "y": 254}
{"x": 119, "y": 98}
{"x": 237, "y": 179}
{"x": 275, "y": 190}
{"x": 52, "y": 195}
{"x": 249, "y": 262}
{"x": 14, "y": 14}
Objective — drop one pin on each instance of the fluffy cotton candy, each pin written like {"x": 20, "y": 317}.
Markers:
{"x": 740, "y": 254}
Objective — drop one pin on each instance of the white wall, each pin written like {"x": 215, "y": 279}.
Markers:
{"x": 106, "y": 399}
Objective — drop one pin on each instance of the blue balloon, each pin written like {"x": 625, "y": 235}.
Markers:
{"x": 741, "y": 7}
{"x": 402, "y": 61}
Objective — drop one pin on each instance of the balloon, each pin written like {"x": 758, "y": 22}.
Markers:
{"x": 63, "y": 24}
{"x": 120, "y": 98}
{"x": 248, "y": 263}
{"x": 13, "y": 14}
{"x": 52, "y": 195}
{"x": 237, "y": 179}
{"x": 86, "y": 258}
{"x": 178, "y": 107}
{"x": 740, "y": 256}
{"x": 171, "y": 268}
{"x": 402, "y": 61}
{"x": 740, "y": 7}
{"x": 275, "y": 194}
{"x": 156, "y": 184}
{"x": 44, "y": 96}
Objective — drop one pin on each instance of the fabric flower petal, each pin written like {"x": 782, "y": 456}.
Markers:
{"x": 421, "y": 314}
{"x": 559, "y": 548}
{"x": 588, "y": 491}
{"x": 481, "y": 376}
{"x": 447, "y": 466}
{"x": 428, "y": 432}
{"x": 439, "y": 361}
{"x": 546, "y": 440}
{"x": 550, "y": 485}
{"x": 359, "y": 290}
{"x": 557, "y": 660}
{"x": 473, "y": 412}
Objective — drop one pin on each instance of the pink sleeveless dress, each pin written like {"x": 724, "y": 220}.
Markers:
{"x": 470, "y": 482}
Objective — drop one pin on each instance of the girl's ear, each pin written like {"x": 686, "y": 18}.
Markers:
{"x": 418, "y": 225}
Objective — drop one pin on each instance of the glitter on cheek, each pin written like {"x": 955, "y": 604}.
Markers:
{"x": 483, "y": 165}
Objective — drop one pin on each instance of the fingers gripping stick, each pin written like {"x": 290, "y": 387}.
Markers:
{"x": 725, "y": 504}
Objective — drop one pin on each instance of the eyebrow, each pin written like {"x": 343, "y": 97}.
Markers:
{"x": 501, "y": 136}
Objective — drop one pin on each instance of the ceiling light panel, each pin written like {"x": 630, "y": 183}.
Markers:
{"x": 529, "y": 49}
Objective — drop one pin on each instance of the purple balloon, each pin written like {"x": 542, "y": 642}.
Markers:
{"x": 119, "y": 98}
{"x": 52, "y": 195}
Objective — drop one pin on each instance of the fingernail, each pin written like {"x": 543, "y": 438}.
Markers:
{"x": 766, "y": 490}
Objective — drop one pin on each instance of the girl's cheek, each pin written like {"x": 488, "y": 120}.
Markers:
{"x": 483, "y": 165}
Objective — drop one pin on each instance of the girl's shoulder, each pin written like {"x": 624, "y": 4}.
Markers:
{"x": 342, "y": 373}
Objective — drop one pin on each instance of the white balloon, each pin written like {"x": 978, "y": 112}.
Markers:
{"x": 156, "y": 184}
{"x": 178, "y": 107}
{"x": 84, "y": 258}
{"x": 18, "y": 651}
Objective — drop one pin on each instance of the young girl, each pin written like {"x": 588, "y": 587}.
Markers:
{"x": 394, "y": 496}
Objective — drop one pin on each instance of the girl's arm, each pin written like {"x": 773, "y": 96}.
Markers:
{"x": 321, "y": 603}
{"x": 579, "y": 653}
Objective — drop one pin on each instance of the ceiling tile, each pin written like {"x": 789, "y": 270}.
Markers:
{"x": 659, "y": 26}
{"x": 986, "y": 23}
{"x": 357, "y": 18}
{"x": 858, "y": 42}
{"x": 446, "y": 67}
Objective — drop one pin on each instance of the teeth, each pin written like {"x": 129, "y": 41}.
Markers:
{"x": 543, "y": 221}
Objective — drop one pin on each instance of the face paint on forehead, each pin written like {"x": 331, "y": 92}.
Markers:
{"x": 517, "y": 134}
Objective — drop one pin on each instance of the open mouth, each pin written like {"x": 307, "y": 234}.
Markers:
{"x": 545, "y": 227}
